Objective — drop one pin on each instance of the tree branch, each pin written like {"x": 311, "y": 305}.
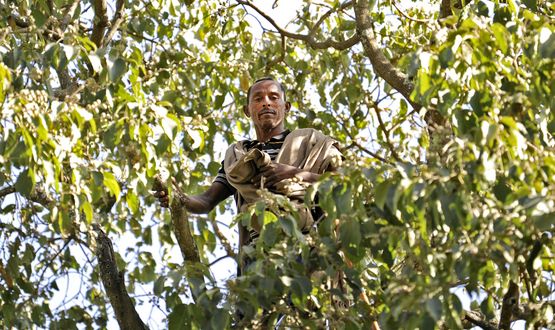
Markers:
{"x": 223, "y": 239}
{"x": 116, "y": 22}
{"x": 382, "y": 66}
{"x": 475, "y": 318}
{"x": 6, "y": 191}
{"x": 185, "y": 239}
{"x": 100, "y": 22}
{"x": 386, "y": 133}
{"x": 510, "y": 300}
{"x": 308, "y": 38}
{"x": 342, "y": 7}
{"x": 69, "y": 14}
{"x": 17, "y": 22}
{"x": 113, "y": 281}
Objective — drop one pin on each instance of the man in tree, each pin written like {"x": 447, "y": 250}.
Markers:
{"x": 284, "y": 162}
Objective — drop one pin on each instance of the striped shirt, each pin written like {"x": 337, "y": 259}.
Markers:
{"x": 272, "y": 148}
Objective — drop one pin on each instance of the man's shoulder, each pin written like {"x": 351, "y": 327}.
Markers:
{"x": 311, "y": 133}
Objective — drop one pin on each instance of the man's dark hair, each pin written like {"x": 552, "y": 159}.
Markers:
{"x": 264, "y": 79}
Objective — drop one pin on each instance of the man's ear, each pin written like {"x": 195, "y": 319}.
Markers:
{"x": 287, "y": 107}
{"x": 246, "y": 111}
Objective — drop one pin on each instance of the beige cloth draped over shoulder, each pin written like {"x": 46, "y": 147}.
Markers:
{"x": 307, "y": 149}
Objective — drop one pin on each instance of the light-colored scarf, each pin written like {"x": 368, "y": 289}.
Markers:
{"x": 306, "y": 148}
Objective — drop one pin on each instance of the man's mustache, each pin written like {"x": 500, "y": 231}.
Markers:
{"x": 273, "y": 111}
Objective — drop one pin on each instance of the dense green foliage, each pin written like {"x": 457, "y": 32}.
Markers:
{"x": 453, "y": 193}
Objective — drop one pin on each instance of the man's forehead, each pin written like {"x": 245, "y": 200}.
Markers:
{"x": 260, "y": 86}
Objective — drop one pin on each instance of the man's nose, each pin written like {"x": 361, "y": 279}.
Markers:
{"x": 265, "y": 101}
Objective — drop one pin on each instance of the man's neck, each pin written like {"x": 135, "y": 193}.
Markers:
{"x": 265, "y": 135}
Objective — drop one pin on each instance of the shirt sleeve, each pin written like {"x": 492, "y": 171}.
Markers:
{"x": 221, "y": 178}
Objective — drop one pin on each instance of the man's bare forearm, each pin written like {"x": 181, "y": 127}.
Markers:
{"x": 198, "y": 204}
{"x": 206, "y": 201}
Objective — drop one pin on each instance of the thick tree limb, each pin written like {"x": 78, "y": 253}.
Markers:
{"x": 382, "y": 66}
{"x": 185, "y": 239}
{"x": 510, "y": 300}
{"x": 113, "y": 281}
{"x": 308, "y": 38}
{"x": 475, "y": 318}
{"x": 100, "y": 22}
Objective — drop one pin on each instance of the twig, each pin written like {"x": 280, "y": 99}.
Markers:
{"x": 386, "y": 133}
{"x": 308, "y": 38}
{"x": 222, "y": 238}
{"x": 6, "y": 191}
{"x": 409, "y": 17}
{"x": 277, "y": 59}
{"x": 365, "y": 149}
{"x": 116, "y": 22}
{"x": 218, "y": 260}
{"x": 342, "y": 7}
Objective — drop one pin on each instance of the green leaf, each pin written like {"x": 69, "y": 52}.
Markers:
{"x": 269, "y": 217}
{"x": 501, "y": 36}
{"x": 25, "y": 182}
{"x": 65, "y": 223}
{"x": 132, "y": 202}
{"x": 531, "y": 4}
{"x": 343, "y": 199}
{"x": 117, "y": 69}
{"x": 159, "y": 285}
{"x": 434, "y": 308}
{"x": 96, "y": 64}
{"x": 87, "y": 209}
{"x": 545, "y": 221}
{"x": 112, "y": 184}
{"x": 380, "y": 194}
{"x": 179, "y": 318}
{"x": 349, "y": 233}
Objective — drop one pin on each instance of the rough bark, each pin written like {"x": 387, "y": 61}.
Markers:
{"x": 116, "y": 22}
{"x": 185, "y": 240}
{"x": 472, "y": 319}
{"x": 100, "y": 22}
{"x": 381, "y": 64}
{"x": 509, "y": 301}
{"x": 113, "y": 281}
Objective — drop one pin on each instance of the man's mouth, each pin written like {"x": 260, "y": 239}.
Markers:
{"x": 266, "y": 112}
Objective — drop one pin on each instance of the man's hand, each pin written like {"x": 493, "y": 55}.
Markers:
{"x": 274, "y": 173}
{"x": 163, "y": 197}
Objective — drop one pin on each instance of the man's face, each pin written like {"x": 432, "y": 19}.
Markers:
{"x": 266, "y": 105}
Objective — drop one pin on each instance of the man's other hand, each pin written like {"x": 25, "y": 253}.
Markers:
{"x": 274, "y": 173}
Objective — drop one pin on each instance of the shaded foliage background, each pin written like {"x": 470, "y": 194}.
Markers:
{"x": 445, "y": 111}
